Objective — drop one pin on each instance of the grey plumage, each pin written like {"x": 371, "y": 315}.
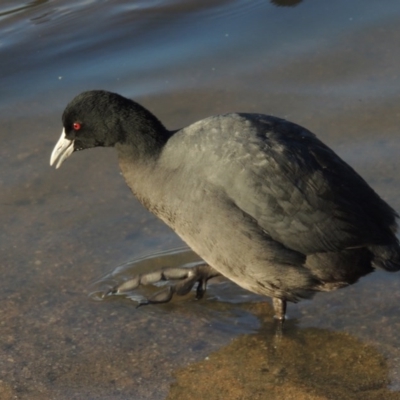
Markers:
{"x": 260, "y": 199}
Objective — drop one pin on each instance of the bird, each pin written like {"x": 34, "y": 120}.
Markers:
{"x": 261, "y": 200}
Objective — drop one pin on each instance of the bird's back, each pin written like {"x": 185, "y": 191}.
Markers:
{"x": 280, "y": 194}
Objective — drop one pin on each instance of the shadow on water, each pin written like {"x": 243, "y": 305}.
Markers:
{"x": 303, "y": 363}
{"x": 286, "y": 3}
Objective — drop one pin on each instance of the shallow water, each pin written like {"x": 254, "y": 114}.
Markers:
{"x": 330, "y": 66}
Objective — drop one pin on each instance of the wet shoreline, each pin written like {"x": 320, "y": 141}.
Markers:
{"x": 331, "y": 67}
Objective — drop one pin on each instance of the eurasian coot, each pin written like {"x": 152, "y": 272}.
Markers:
{"x": 260, "y": 199}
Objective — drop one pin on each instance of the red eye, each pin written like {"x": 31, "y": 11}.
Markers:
{"x": 76, "y": 126}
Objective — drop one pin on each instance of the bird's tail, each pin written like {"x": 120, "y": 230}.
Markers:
{"x": 386, "y": 257}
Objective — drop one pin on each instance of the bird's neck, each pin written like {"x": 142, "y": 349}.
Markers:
{"x": 141, "y": 135}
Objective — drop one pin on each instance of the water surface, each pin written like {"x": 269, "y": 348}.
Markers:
{"x": 330, "y": 66}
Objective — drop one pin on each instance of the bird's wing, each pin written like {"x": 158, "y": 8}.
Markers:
{"x": 299, "y": 191}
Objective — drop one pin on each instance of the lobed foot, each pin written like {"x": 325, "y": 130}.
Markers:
{"x": 188, "y": 277}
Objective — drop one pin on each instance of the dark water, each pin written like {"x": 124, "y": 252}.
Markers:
{"x": 330, "y": 66}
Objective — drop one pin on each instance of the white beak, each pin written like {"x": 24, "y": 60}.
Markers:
{"x": 62, "y": 150}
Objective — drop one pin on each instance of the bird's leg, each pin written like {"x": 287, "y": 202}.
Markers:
{"x": 279, "y": 317}
{"x": 279, "y": 308}
{"x": 187, "y": 276}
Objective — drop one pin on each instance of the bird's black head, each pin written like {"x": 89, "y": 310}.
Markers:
{"x": 101, "y": 118}
{"x": 92, "y": 118}
{"x": 89, "y": 120}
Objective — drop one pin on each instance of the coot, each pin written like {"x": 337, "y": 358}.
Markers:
{"x": 260, "y": 199}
